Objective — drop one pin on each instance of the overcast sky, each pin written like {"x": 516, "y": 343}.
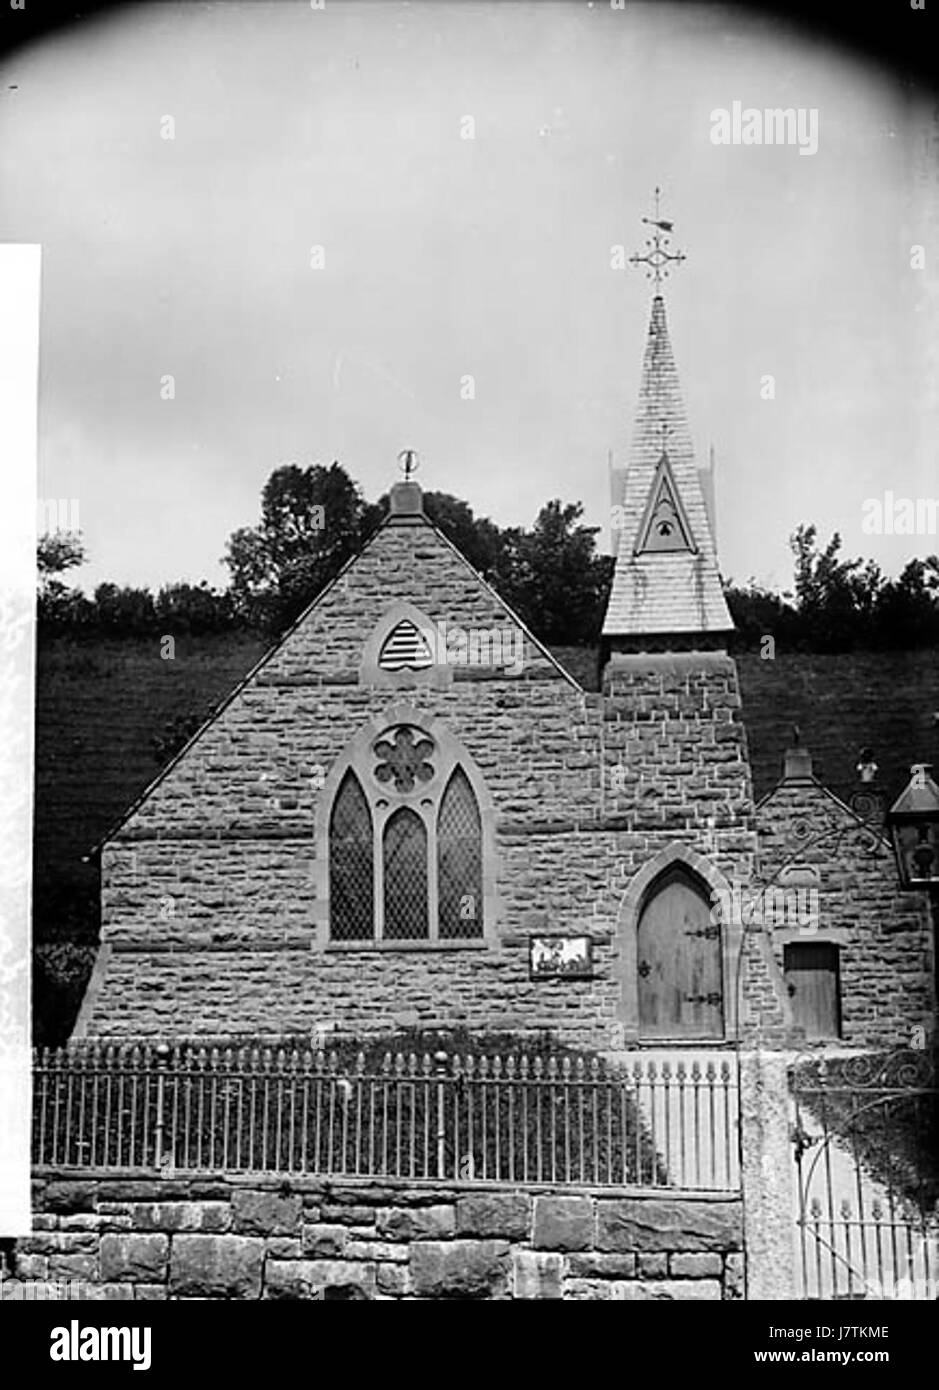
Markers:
{"x": 447, "y": 257}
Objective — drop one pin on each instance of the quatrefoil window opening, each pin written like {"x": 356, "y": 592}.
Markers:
{"x": 404, "y": 758}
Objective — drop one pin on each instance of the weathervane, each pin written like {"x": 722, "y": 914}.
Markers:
{"x": 409, "y": 463}
{"x": 658, "y": 255}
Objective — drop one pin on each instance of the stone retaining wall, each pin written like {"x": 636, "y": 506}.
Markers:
{"x": 249, "y": 1238}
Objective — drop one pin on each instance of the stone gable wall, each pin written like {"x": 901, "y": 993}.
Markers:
{"x": 408, "y": 560}
{"x": 210, "y": 908}
{"x": 210, "y": 891}
{"x": 122, "y": 1238}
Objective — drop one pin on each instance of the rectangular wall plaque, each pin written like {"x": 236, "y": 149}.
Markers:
{"x": 568, "y": 956}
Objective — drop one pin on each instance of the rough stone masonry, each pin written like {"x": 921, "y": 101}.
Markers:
{"x": 142, "y": 1238}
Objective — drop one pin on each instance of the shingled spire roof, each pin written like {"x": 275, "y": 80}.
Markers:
{"x": 664, "y": 589}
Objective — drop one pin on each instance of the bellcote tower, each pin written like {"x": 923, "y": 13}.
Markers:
{"x": 666, "y": 594}
{"x": 674, "y": 747}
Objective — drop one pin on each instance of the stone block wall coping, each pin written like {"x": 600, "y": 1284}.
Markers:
{"x": 697, "y": 661}
{"x": 380, "y": 1186}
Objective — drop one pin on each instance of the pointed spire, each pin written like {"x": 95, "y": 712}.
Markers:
{"x": 664, "y": 591}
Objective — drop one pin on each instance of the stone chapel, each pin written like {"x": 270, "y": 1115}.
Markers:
{"x": 409, "y": 807}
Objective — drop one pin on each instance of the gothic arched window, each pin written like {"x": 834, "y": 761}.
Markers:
{"x": 351, "y": 875}
{"x": 459, "y": 859}
{"x": 406, "y": 848}
{"x": 404, "y": 863}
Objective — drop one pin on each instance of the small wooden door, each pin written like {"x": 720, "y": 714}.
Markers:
{"x": 812, "y": 981}
{"x": 679, "y": 962}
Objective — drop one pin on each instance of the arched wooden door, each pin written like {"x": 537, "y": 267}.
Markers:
{"x": 679, "y": 962}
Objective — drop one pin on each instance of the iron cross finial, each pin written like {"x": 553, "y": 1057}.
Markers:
{"x": 409, "y": 463}
{"x": 657, "y": 256}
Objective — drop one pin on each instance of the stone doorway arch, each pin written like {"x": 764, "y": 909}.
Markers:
{"x": 681, "y": 865}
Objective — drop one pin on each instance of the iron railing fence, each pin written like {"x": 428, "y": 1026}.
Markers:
{"x": 865, "y": 1132}
{"x": 884, "y": 1254}
{"x": 474, "y": 1119}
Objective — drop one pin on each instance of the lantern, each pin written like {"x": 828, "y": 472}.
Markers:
{"x": 913, "y": 822}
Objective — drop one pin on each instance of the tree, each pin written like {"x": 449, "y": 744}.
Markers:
{"x": 553, "y": 577}
{"x": 124, "y": 612}
{"x": 757, "y": 612}
{"x": 906, "y": 611}
{"x": 193, "y": 608}
{"x": 840, "y": 605}
{"x": 312, "y": 521}
{"x": 59, "y": 607}
{"x": 834, "y": 598}
{"x": 57, "y": 553}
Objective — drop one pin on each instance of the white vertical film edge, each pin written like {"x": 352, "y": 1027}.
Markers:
{"x": 19, "y": 375}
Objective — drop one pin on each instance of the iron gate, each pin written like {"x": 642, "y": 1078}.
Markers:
{"x": 865, "y": 1136}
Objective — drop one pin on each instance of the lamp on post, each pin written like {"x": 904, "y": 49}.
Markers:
{"x": 913, "y": 823}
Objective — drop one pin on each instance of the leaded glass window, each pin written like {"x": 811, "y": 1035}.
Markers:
{"x": 351, "y": 874}
{"x": 406, "y": 844}
{"x": 459, "y": 860}
{"x": 405, "y": 874}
